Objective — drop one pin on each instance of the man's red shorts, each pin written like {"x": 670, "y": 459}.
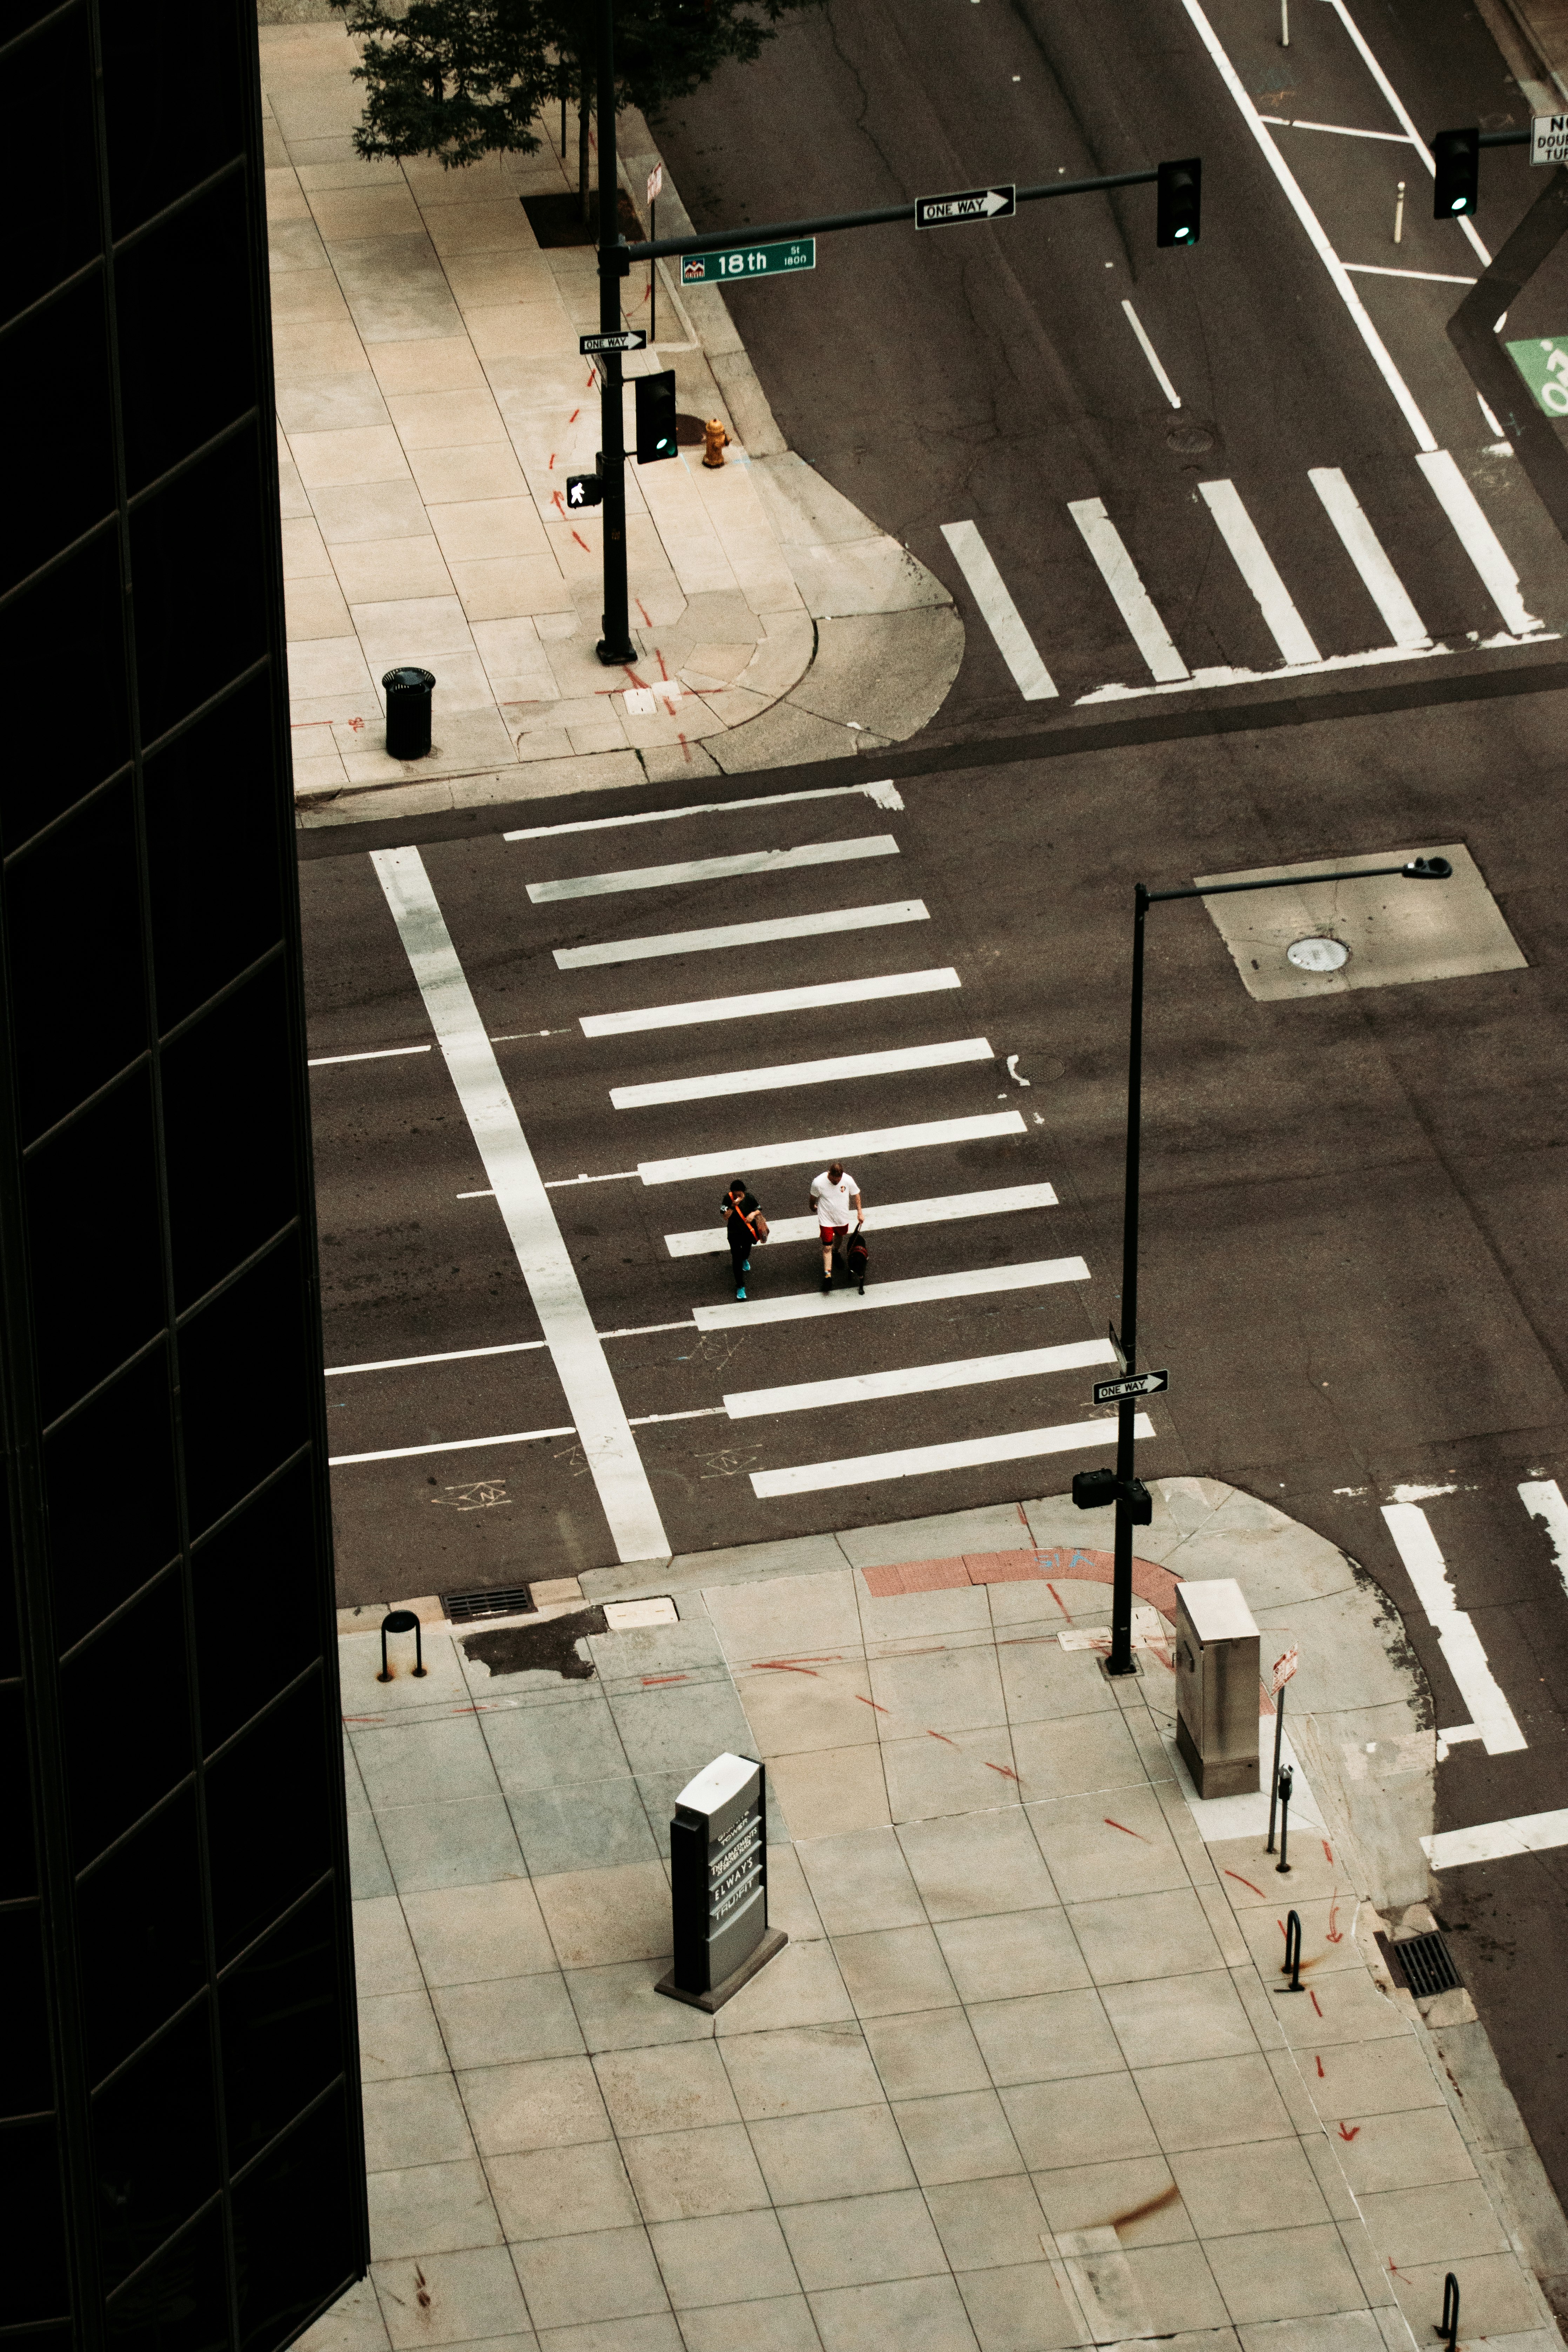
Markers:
{"x": 831, "y": 1235}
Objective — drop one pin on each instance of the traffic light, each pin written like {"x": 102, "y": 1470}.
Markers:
{"x": 1179, "y": 202}
{"x": 1093, "y": 1489}
{"x": 584, "y": 490}
{"x": 1455, "y": 187}
{"x": 656, "y": 416}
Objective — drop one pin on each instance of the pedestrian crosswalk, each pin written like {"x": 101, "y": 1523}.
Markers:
{"x": 949, "y": 1256}
{"x": 1155, "y": 662}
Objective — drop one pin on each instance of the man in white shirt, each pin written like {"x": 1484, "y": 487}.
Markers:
{"x": 832, "y": 1195}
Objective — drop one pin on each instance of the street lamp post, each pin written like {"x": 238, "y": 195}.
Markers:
{"x": 615, "y": 645}
{"x": 1133, "y": 1504}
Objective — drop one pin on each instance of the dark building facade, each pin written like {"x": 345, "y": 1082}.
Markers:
{"x": 181, "y": 2148}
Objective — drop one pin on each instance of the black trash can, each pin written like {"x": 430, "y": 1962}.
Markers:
{"x": 408, "y": 695}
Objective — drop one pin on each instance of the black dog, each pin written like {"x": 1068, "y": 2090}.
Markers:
{"x": 856, "y": 1254}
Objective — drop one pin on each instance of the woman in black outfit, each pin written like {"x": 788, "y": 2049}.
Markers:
{"x": 744, "y": 1224}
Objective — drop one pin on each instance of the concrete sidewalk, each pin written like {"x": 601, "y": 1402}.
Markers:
{"x": 1024, "y": 2076}
{"x": 431, "y": 403}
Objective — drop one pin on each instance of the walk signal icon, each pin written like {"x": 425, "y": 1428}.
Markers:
{"x": 1178, "y": 202}
{"x": 1456, "y": 160}
{"x": 584, "y": 490}
{"x": 656, "y": 416}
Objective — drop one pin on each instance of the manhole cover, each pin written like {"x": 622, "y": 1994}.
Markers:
{"x": 1317, "y": 955}
{"x": 1189, "y": 440}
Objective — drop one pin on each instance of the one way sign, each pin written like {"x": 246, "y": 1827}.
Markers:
{"x": 1136, "y": 1384}
{"x": 968, "y": 204}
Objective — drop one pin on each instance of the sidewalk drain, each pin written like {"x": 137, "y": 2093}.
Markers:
{"x": 462, "y": 1608}
{"x": 1426, "y": 1964}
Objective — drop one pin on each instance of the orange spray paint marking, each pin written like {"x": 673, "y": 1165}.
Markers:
{"x": 1354, "y": 2133}
{"x": 631, "y": 674}
{"x": 778, "y": 1666}
{"x": 941, "y": 1735}
{"x": 1003, "y": 1769}
{"x": 551, "y": 467}
{"x": 1320, "y": 2076}
{"x": 1124, "y": 1827}
{"x": 1327, "y": 1854}
{"x": 684, "y": 750}
{"x": 1247, "y": 1882}
{"x": 870, "y": 1702}
{"x": 659, "y": 658}
{"x": 649, "y": 1681}
{"x": 559, "y": 504}
{"x": 1334, "y": 1935}
{"x": 592, "y": 377}
{"x": 1317, "y": 2004}
{"x": 577, "y": 413}
{"x": 582, "y": 543}
{"x": 1056, "y": 1597}
{"x": 642, "y": 608}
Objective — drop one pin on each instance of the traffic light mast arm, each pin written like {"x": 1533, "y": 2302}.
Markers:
{"x": 782, "y": 232}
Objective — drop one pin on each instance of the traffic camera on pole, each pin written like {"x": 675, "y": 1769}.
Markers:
{"x": 1456, "y": 160}
{"x": 656, "y": 417}
{"x": 1178, "y": 202}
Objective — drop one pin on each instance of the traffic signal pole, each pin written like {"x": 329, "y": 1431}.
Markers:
{"x": 1128, "y": 1492}
{"x": 615, "y": 646}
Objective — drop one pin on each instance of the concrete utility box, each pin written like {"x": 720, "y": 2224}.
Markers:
{"x": 1216, "y": 1686}
{"x": 719, "y": 1884}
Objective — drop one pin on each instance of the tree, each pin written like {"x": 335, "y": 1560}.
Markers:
{"x": 460, "y": 79}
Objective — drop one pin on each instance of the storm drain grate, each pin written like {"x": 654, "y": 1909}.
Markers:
{"x": 1427, "y": 1965}
{"x": 462, "y": 1608}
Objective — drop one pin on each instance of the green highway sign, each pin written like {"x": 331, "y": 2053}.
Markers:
{"x": 748, "y": 262}
{"x": 1542, "y": 361}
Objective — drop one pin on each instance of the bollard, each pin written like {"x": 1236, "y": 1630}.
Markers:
{"x": 1449, "y": 2326}
{"x": 1399, "y": 213}
{"x": 401, "y": 1620}
{"x": 1293, "y": 1951}
{"x": 1287, "y": 1781}
{"x": 408, "y": 694}
{"x": 715, "y": 441}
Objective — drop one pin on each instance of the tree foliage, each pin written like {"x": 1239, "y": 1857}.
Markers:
{"x": 459, "y": 78}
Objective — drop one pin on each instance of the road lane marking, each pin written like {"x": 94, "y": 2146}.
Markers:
{"x": 1456, "y": 1637}
{"x": 885, "y": 794}
{"x": 922, "y": 1137}
{"x": 723, "y": 1083}
{"x": 712, "y": 1241}
{"x": 1542, "y": 1498}
{"x": 724, "y": 936}
{"x": 770, "y": 1000}
{"x": 1256, "y": 565}
{"x": 450, "y": 1445}
{"x": 966, "y": 1453}
{"x": 975, "y": 1282}
{"x": 383, "y": 1054}
{"x": 713, "y": 869}
{"x": 1398, "y": 109}
{"x": 1152, "y": 356}
{"x": 998, "y": 612}
{"x": 1496, "y": 1841}
{"x": 608, "y": 1446}
{"x": 1366, "y": 552}
{"x": 1133, "y": 600}
{"x": 446, "y": 1355}
{"x": 1478, "y": 540}
{"x": 1292, "y": 188}
{"x": 919, "y": 1380}
{"x": 1430, "y": 277}
{"x": 1340, "y": 130}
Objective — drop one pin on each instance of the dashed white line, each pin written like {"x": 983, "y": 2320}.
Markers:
{"x": 1001, "y": 616}
{"x": 383, "y": 1054}
{"x": 835, "y": 1067}
{"x": 446, "y": 1355}
{"x": 1152, "y": 356}
{"x": 770, "y": 999}
{"x": 452, "y": 1445}
{"x": 1431, "y": 277}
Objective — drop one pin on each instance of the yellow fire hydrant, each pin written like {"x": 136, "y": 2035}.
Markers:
{"x": 714, "y": 441}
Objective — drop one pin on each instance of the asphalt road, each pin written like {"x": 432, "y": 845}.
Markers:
{"x": 1353, "y": 1204}
{"x": 991, "y": 373}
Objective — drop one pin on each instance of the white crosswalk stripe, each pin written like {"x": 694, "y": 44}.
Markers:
{"x": 713, "y": 869}
{"x": 973, "y": 1282}
{"x": 919, "y": 1380}
{"x": 722, "y": 937}
{"x": 710, "y": 1241}
{"x": 770, "y": 999}
{"x": 961, "y": 1454}
{"x": 1366, "y": 550}
{"x": 1133, "y": 600}
{"x": 1478, "y": 540}
{"x": 1457, "y": 1636}
{"x": 835, "y": 1068}
{"x": 998, "y": 612}
{"x": 1258, "y": 568}
{"x": 816, "y": 1152}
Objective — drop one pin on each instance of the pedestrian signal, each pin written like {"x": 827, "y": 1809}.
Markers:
{"x": 1092, "y": 1489}
{"x": 1456, "y": 160}
{"x": 656, "y": 416}
{"x": 584, "y": 490}
{"x": 1178, "y": 202}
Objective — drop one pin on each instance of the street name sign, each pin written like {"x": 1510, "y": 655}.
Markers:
{"x": 967, "y": 205}
{"x": 1136, "y": 1384}
{"x": 1549, "y": 138}
{"x": 748, "y": 262}
{"x": 629, "y": 339}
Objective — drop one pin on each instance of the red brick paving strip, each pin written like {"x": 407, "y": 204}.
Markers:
{"x": 1152, "y": 1584}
